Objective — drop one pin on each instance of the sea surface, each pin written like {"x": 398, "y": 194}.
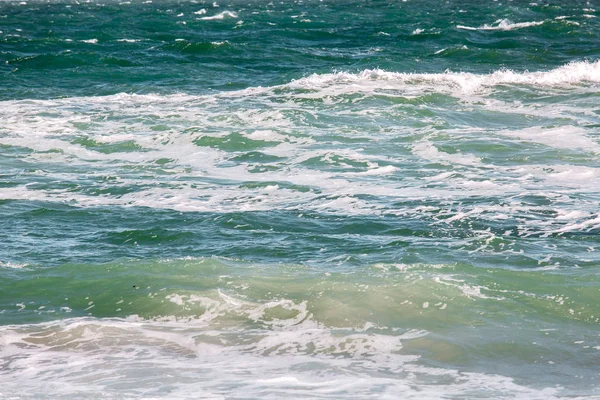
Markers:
{"x": 309, "y": 199}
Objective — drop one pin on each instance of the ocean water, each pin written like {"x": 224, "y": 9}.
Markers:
{"x": 316, "y": 199}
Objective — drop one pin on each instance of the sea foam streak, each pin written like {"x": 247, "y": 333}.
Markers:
{"x": 502, "y": 25}
{"x": 283, "y": 147}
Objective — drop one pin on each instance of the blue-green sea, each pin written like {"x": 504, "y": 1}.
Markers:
{"x": 299, "y": 199}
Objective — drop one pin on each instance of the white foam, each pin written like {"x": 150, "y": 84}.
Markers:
{"x": 221, "y": 15}
{"x": 267, "y": 136}
{"x": 564, "y": 137}
{"x": 13, "y": 265}
{"x": 428, "y": 151}
{"x": 91, "y": 41}
{"x": 311, "y": 167}
{"x": 570, "y": 74}
{"x": 468, "y": 290}
{"x": 122, "y": 358}
{"x": 502, "y": 25}
{"x": 388, "y": 169}
{"x": 585, "y": 226}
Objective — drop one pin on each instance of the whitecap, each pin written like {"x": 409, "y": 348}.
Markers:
{"x": 8, "y": 264}
{"x": 574, "y": 73}
{"x": 388, "y": 169}
{"x": 502, "y": 25}
{"x": 222, "y": 15}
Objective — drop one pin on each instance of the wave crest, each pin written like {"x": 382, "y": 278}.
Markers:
{"x": 502, "y": 25}
{"x": 574, "y": 73}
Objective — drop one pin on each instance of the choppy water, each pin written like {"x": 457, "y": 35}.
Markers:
{"x": 309, "y": 199}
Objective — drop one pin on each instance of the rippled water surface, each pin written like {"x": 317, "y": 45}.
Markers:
{"x": 299, "y": 199}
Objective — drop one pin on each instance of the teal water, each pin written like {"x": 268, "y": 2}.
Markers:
{"x": 303, "y": 199}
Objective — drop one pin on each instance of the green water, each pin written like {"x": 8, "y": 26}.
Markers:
{"x": 309, "y": 199}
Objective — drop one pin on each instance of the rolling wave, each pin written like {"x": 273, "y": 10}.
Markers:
{"x": 574, "y": 73}
{"x": 311, "y": 332}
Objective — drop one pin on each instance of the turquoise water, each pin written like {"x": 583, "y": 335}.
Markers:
{"x": 299, "y": 199}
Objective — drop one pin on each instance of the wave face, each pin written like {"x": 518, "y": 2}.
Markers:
{"x": 312, "y": 199}
{"x": 178, "y": 328}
